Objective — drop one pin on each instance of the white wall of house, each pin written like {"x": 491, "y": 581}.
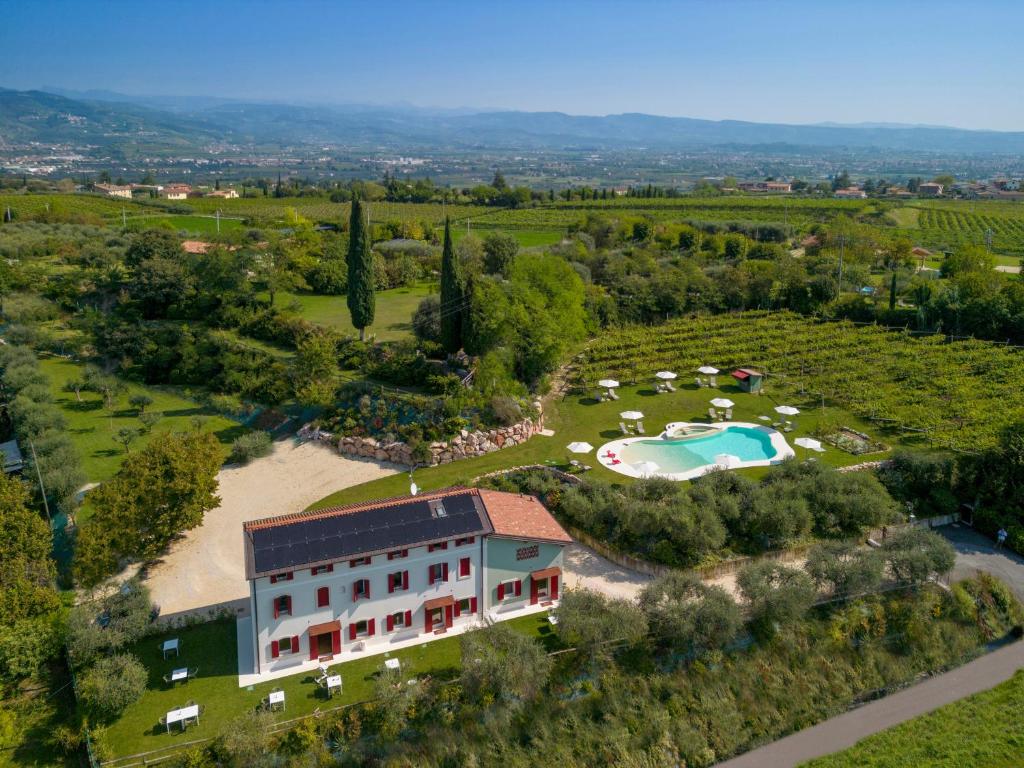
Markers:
{"x": 302, "y": 589}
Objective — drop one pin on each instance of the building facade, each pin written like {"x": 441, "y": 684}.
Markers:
{"x": 363, "y": 579}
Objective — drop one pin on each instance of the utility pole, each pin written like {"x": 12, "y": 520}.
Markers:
{"x": 42, "y": 490}
{"x": 124, "y": 219}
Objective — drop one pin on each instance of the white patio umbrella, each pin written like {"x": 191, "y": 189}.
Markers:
{"x": 722, "y": 402}
{"x": 810, "y": 444}
{"x": 787, "y": 410}
{"x": 631, "y": 415}
{"x": 645, "y": 468}
{"x": 665, "y": 375}
{"x": 709, "y": 370}
{"x": 608, "y": 383}
{"x": 727, "y": 460}
{"x": 580, "y": 447}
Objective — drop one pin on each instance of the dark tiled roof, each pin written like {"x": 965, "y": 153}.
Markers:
{"x": 306, "y": 539}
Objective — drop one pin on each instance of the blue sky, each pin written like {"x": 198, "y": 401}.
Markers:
{"x": 918, "y": 62}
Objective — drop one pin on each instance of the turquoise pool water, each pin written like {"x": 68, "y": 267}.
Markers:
{"x": 676, "y": 456}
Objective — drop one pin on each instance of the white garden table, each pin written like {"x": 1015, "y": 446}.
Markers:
{"x": 182, "y": 716}
{"x": 334, "y": 681}
{"x": 179, "y": 674}
{"x": 275, "y": 698}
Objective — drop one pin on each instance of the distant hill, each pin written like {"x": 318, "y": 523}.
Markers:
{"x": 122, "y": 126}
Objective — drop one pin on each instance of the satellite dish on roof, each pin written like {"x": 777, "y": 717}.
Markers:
{"x": 413, "y": 489}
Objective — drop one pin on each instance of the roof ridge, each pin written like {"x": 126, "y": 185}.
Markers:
{"x": 359, "y": 506}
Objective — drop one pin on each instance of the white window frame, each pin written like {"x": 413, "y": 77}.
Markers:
{"x": 509, "y": 588}
{"x": 398, "y": 620}
{"x": 365, "y": 632}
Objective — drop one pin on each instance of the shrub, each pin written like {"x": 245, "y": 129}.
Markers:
{"x": 112, "y": 684}
{"x": 251, "y": 446}
{"x": 426, "y": 321}
{"x": 506, "y": 410}
{"x": 775, "y": 594}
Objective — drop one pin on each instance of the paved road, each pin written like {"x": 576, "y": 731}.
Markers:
{"x": 849, "y": 728}
{"x": 974, "y": 553}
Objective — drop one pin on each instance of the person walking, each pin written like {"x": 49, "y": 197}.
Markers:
{"x": 1001, "y": 538}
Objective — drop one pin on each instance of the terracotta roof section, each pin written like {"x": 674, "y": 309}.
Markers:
{"x": 519, "y": 516}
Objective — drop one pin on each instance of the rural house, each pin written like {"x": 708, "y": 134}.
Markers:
{"x": 368, "y": 578}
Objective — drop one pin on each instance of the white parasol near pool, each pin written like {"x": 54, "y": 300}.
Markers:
{"x": 787, "y": 410}
{"x": 645, "y": 468}
{"x": 631, "y": 415}
{"x": 708, "y": 370}
{"x": 608, "y": 383}
{"x": 722, "y": 402}
{"x": 580, "y": 447}
{"x": 665, "y": 375}
{"x": 810, "y": 444}
{"x": 728, "y": 460}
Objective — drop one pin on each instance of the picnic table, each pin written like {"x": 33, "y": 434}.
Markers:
{"x": 170, "y": 645}
{"x": 179, "y": 674}
{"x": 182, "y": 716}
{"x": 275, "y": 698}
{"x": 392, "y": 665}
{"x": 332, "y": 682}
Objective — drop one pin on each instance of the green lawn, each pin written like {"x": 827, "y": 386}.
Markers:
{"x": 212, "y": 648}
{"x": 527, "y": 237}
{"x": 195, "y": 225}
{"x": 92, "y": 429}
{"x": 582, "y": 418}
{"x": 982, "y": 731}
{"x": 393, "y": 320}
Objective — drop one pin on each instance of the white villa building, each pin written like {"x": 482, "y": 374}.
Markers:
{"x": 367, "y": 578}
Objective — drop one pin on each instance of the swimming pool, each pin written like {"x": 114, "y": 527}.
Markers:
{"x": 689, "y": 456}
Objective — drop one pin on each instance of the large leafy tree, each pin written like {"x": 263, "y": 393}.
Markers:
{"x": 503, "y": 663}
{"x": 689, "y": 616}
{"x": 453, "y": 290}
{"x": 361, "y": 298}
{"x": 158, "y": 493}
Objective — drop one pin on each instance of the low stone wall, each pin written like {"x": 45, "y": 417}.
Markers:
{"x": 465, "y": 445}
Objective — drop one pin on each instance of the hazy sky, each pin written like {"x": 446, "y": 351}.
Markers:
{"x": 950, "y": 63}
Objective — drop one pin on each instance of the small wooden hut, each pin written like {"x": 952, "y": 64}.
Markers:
{"x": 748, "y": 379}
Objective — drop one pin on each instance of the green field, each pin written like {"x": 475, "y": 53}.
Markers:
{"x": 393, "y": 319}
{"x": 983, "y": 731}
{"x": 193, "y": 225}
{"x": 92, "y": 429}
{"x": 213, "y": 648}
{"x": 527, "y": 238}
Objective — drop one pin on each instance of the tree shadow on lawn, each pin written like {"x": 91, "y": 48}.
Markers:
{"x": 589, "y": 401}
{"x": 81, "y": 407}
{"x": 612, "y": 433}
{"x": 229, "y": 434}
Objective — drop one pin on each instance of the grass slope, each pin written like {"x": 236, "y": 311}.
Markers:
{"x": 393, "y": 320}
{"x": 92, "y": 429}
{"x": 982, "y": 731}
{"x": 213, "y": 649}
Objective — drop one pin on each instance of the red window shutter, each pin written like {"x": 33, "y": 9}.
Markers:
{"x": 289, "y": 599}
{"x": 430, "y": 573}
{"x": 444, "y": 571}
{"x": 391, "y": 583}
{"x": 289, "y": 576}
{"x": 323, "y": 597}
{"x": 389, "y": 622}
{"x": 367, "y": 588}
{"x": 371, "y": 628}
{"x": 274, "y": 649}
{"x": 405, "y": 580}
{"x": 391, "y": 555}
{"x": 351, "y": 631}
{"x": 426, "y": 619}
{"x": 275, "y": 608}
{"x": 295, "y": 643}
{"x": 336, "y": 641}
{"x": 472, "y": 604}
{"x": 405, "y": 553}
{"x": 533, "y": 591}
{"x": 464, "y": 567}
{"x": 312, "y": 649}
{"x": 519, "y": 587}
{"x": 355, "y": 590}
{"x": 501, "y": 591}
{"x": 273, "y": 579}
{"x": 448, "y": 615}
{"x": 554, "y": 587}
{"x": 471, "y": 539}
{"x": 408, "y": 618}
{"x": 458, "y": 608}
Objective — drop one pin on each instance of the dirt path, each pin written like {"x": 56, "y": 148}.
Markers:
{"x": 205, "y": 570}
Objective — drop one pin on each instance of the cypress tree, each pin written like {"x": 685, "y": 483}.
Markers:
{"x": 360, "y": 298}
{"x": 453, "y": 291}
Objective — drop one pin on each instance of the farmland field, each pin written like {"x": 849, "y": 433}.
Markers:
{"x": 957, "y": 395}
{"x": 194, "y": 225}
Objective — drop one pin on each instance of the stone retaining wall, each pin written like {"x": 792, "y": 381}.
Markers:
{"x": 465, "y": 445}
